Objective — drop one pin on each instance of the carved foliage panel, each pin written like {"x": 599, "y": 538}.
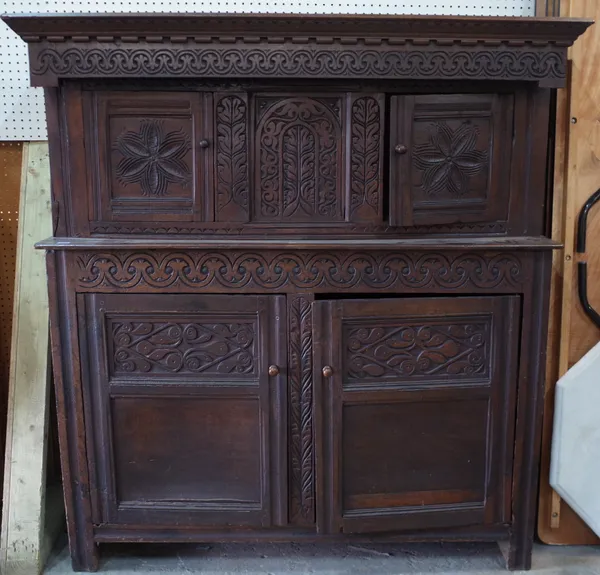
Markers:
{"x": 405, "y": 350}
{"x": 451, "y": 158}
{"x": 231, "y": 158}
{"x": 148, "y": 160}
{"x": 366, "y": 158}
{"x": 301, "y": 427}
{"x": 299, "y": 158}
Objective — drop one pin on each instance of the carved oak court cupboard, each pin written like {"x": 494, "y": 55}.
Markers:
{"x": 299, "y": 275}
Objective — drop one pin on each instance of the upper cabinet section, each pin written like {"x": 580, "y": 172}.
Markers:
{"x": 298, "y": 125}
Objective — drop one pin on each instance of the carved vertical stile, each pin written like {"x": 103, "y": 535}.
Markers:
{"x": 231, "y": 159}
{"x": 301, "y": 461}
{"x": 366, "y": 149}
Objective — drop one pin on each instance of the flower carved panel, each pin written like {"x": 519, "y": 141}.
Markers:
{"x": 152, "y": 159}
{"x": 448, "y": 163}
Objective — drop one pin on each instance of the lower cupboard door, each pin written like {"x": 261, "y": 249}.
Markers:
{"x": 415, "y": 414}
{"x": 185, "y": 426}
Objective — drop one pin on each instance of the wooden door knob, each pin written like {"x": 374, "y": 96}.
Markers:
{"x": 400, "y": 149}
{"x": 203, "y": 143}
{"x": 327, "y": 371}
{"x": 273, "y": 370}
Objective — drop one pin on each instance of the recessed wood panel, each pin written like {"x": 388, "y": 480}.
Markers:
{"x": 182, "y": 451}
{"x": 387, "y": 453}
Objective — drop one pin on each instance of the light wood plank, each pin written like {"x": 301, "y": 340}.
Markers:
{"x": 577, "y": 176}
{"x": 23, "y": 544}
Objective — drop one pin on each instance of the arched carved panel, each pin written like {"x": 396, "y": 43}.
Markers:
{"x": 298, "y": 160}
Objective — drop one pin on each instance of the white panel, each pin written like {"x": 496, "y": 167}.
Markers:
{"x": 22, "y": 108}
{"x": 575, "y": 467}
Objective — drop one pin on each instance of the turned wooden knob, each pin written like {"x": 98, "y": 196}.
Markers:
{"x": 400, "y": 149}
{"x": 327, "y": 371}
{"x": 273, "y": 370}
{"x": 203, "y": 143}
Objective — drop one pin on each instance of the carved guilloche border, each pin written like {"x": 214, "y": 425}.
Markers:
{"x": 432, "y": 61}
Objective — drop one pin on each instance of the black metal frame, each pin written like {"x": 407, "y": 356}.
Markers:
{"x": 582, "y": 265}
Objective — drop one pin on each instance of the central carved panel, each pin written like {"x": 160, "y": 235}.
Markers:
{"x": 298, "y": 159}
{"x": 142, "y": 346}
{"x": 404, "y": 350}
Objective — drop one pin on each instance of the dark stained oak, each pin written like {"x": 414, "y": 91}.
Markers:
{"x": 299, "y": 274}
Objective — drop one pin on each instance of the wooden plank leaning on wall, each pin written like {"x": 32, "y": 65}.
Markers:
{"x": 31, "y": 517}
{"x": 576, "y": 178}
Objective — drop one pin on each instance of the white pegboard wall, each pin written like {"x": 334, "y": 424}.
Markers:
{"x": 22, "y": 115}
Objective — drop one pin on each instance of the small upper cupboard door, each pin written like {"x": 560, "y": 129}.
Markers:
{"x": 151, "y": 161}
{"x": 415, "y": 401}
{"x": 185, "y": 410}
{"x": 317, "y": 158}
{"x": 450, "y": 159}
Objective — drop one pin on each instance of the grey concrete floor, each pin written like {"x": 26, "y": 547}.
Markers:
{"x": 326, "y": 559}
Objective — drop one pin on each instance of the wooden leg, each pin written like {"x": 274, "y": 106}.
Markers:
{"x": 85, "y": 557}
{"x": 517, "y": 553}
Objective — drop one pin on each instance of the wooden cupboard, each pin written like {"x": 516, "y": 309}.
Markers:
{"x": 299, "y": 274}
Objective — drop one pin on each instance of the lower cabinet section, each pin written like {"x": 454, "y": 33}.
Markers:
{"x": 356, "y": 416}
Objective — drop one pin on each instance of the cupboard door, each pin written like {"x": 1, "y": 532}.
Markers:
{"x": 187, "y": 410}
{"x": 450, "y": 159}
{"x": 151, "y": 160}
{"x": 317, "y": 158}
{"x": 416, "y": 412}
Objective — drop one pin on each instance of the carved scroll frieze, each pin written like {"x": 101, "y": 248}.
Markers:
{"x": 297, "y": 270}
